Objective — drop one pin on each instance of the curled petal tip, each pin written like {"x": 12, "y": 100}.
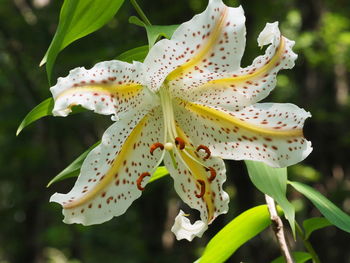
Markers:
{"x": 268, "y": 34}
{"x": 55, "y": 198}
{"x": 183, "y": 229}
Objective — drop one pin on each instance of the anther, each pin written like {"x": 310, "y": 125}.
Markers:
{"x": 202, "y": 183}
{"x": 155, "y": 146}
{"x": 180, "y": 143}
{"x": 206, "y": 149}
{"x": 212, "y": 173}
{"x": 140, "y": 179}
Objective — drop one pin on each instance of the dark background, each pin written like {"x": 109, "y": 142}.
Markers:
{"x": 31, "y": 229}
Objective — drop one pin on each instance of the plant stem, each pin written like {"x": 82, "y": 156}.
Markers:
{"x": 140, "y": 12}
{"x": 307, "y": 244}
{"x": 277, "y": 227}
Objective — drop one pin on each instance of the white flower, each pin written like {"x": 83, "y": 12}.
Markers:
{"x": 189, "y": 105}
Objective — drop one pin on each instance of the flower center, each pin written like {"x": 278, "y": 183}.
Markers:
{"x": 176, "y": 143}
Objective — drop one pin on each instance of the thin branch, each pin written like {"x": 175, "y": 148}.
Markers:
{"x": 277, "y": 227}
{"x": 140, "y": 12}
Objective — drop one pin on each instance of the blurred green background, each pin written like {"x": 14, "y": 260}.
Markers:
{"x": 31, "y": 229}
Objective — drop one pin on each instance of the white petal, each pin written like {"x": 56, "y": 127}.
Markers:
{"x": 107, "y": 184}
{"x": 211, "y": 41}
{"x": 183, "y": 229}
{"x": 198, "y": 187}
{"x": 268, "y": 35}
{"x": 267, "y": 132}
{"x": 236, "y": 89}
{"x": 110, "y": 87}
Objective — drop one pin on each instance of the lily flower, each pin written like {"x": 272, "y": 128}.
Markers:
{"x": 189, "y": 105}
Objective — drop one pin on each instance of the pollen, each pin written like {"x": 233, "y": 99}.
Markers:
{"x": 212, "y": 173}
{"x": 206, "y": 149}
{"x": 180, "y": 143}
{"x": 202, "y": 185}
{"x": 156, "y": 146}
{"x": 140, "y": 179}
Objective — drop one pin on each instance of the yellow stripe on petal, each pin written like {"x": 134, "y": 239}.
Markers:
{"x": 117, "y": 164}
{"x": 125, "y": 90}
{"x": 199, "y": 173}
{"x": 274, "y": 61}
{"x": 225, "y": 119}
{"x": 203, "y": 52}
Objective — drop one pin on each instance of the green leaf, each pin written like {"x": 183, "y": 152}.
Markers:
{"x": 154, "y": 31}
{"x": 302, "y": 172}
{"x": 299, "y": 257}
{"x": 236, "y": 233}
{"x": 73, "y": 169}
{"x": 273, "y": 182}
{"x": 78, "y": 18}
{"x": 336, "y": 216}
{"x": 136, "y": 21}
{"x": 159, "y": 173}
{"x": 135, "y": 54}
{"x": 315, "y": 223}
{"x": 41, "y": 110}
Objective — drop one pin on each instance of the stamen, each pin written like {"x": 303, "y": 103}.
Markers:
{"x": 155, "y": 146}
{"x": 140, "y": 179}
{"x": 206, "y": 149}
{"x": 180, "y": 143}
{"x": 202, "y": 183}
{"x": 212, "y": 173}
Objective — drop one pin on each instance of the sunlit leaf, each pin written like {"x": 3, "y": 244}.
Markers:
{"x": 41, "y": 110}
{"x": 154, "y": 31}
{"x": 315, "y": 223}
{"x": 159, "y": 173}
{"x": 78, "y": 19}
{"x": 273, "y": 182}
{"x": 73, "y": 169}
{"x": 136, "y": 21}
{"x": 299, "y": 257}
{"x": 336, "y": 216}
{"x": 235, "y": 234}
{"x": 135, "y": 54}
{"x": 302, "y": 172}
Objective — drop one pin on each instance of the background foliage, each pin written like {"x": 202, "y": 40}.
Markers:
{"x": 31, "y": 229}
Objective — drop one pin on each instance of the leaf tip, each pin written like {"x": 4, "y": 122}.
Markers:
{"x": 18, "y": 130}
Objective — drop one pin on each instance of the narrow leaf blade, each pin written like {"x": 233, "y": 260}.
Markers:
{"x": 235, "y": 234}
{"x": 134, "y": 54}
{"x": 73, "y": 169}
{"x": 315, "y": 223}
{"x": 273, "y": 182}
{"x": 154, "y": 31}
{"x": 41, "y": 110}
{"x": 78, "y": 19}
{"x": 330, "y": 211}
